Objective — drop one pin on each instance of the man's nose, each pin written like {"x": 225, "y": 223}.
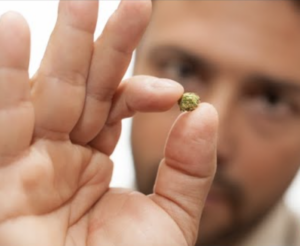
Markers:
{"x": 222, "y": 98}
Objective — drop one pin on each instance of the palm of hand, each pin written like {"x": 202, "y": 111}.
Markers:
{"x": 61, "y": 210}
{"x": 54, "y": 164}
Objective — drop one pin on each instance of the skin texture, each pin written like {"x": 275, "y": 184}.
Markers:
{"x": 243, "y": 57}
{"x": 58, "y": 129}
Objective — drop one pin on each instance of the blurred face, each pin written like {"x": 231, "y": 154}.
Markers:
{"x": 243, "y": 57}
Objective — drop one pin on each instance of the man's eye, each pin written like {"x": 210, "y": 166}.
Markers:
{"x": 188, "y": 74}
{"x": 179, "y": 71}
{"x": 272, "y": 99}
{"x": 273, "y": 104}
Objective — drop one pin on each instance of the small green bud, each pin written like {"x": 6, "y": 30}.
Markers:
{"x": 188, "y": 102}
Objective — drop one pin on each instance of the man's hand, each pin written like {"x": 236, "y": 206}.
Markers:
{"x": 58, "y": 129}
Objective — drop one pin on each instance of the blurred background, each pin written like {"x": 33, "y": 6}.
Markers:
{"x": 41, "y": 16}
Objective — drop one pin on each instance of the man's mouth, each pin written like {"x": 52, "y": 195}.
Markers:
{"x": 216, "y": 197}
{"x": 224, "y": 194}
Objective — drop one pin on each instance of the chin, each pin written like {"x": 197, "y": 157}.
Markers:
{"x": 217, "y": 222}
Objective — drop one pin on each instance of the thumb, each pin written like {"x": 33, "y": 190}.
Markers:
{"x": 186, "y": 173}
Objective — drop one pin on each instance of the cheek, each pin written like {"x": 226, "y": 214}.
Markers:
{"x": 149, "y": 133}
{"x": 266, "y": 167}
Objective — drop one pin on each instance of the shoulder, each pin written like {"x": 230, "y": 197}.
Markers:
{"x": 294, "y": 227}
{"x": 280, "y": 226}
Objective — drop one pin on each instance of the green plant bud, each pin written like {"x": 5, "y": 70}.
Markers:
{"x": 188, "y": 102}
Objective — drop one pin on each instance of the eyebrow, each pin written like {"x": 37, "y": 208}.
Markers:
{"x": 198, "y": 60}
{"x": 278, "y": 84}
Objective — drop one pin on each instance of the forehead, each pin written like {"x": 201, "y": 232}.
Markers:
{"x": 262, "y": 34}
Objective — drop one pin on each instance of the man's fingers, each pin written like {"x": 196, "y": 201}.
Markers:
{"x": 113, "y": 51}
{"x": 186, "y": 173}
{"x": 16, "y": 111}
{"x": 137, "y": 94}
{"x": 144, "y": 94}
{"x": 59, "y": 87}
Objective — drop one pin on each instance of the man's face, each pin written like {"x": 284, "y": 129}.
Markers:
{"x": 243, "y": 57}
